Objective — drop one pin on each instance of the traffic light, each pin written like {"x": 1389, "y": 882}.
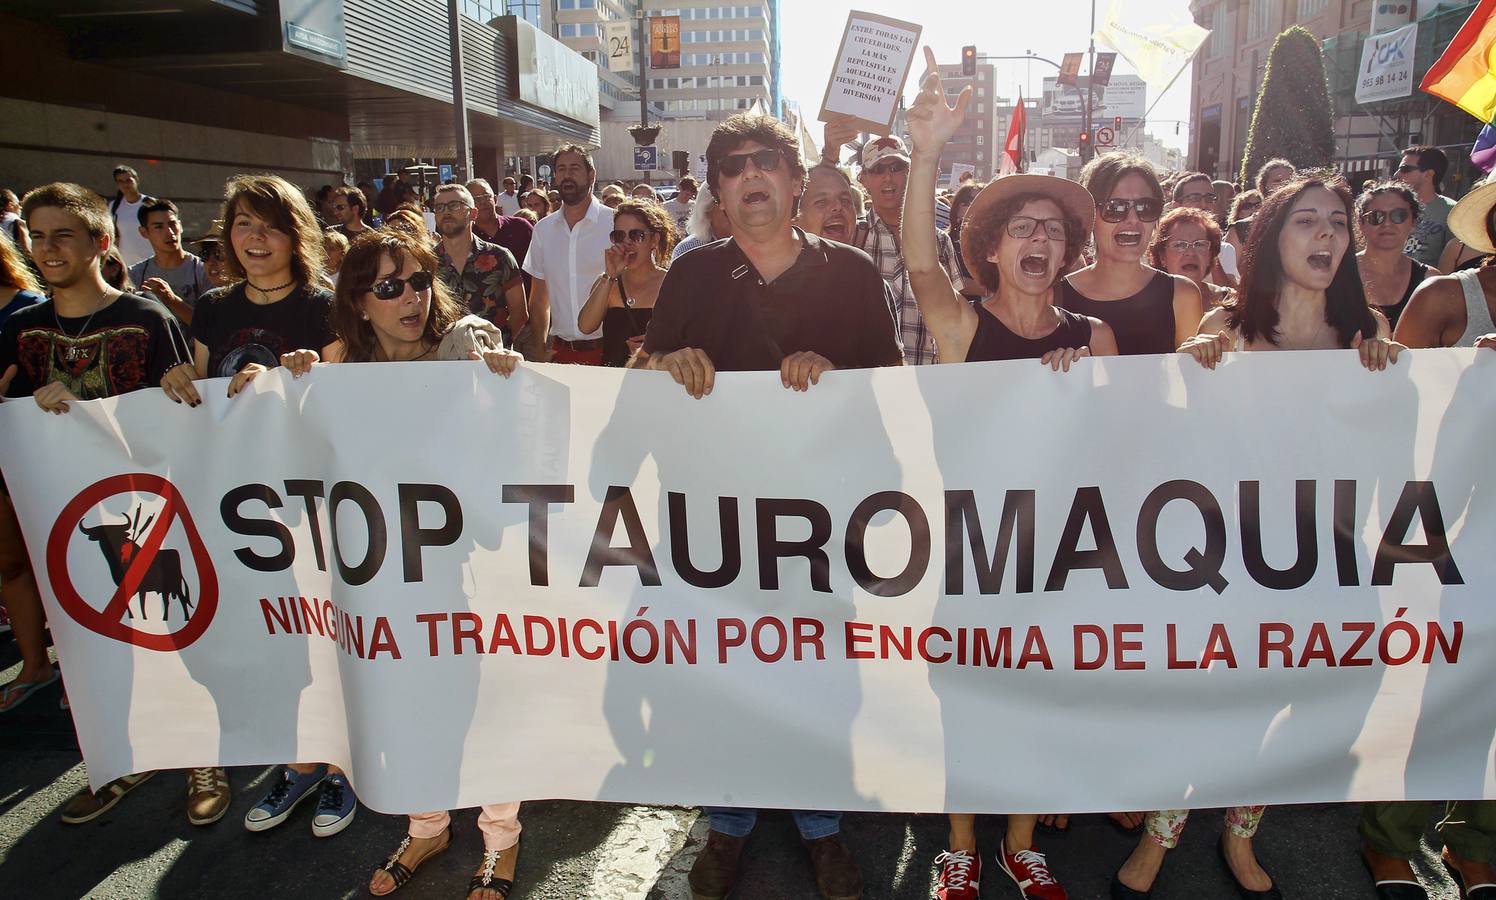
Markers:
{"x": 969, "y": 60}
{"x": 1085, "y": 140}
{"x": 1117, "y": 125}
{"x": 680, "y": 161}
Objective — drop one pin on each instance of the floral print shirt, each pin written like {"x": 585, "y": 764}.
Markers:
{"x": 488, "y": 272}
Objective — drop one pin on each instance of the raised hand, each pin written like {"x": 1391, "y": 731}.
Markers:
{"x": 839, "y": 131}
{"x": 931, "y": 122}
{"x": 614, "y": 262}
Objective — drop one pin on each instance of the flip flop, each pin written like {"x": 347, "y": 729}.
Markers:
{"x": 14, "y": 694}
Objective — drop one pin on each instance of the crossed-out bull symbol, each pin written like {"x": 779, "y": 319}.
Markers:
{"x": 163, "y": 576}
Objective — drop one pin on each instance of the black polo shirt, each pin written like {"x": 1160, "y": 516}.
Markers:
{"x": 832, "y": 301}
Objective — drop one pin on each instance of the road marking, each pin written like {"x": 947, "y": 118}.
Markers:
{"x": 639, "y": 849}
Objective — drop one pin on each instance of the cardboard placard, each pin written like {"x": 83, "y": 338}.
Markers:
{"x": 872, "y": 64}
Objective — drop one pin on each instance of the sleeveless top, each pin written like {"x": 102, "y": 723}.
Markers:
{"x": 1415, "y": 278}
{"x": 994, "y": 340}
{"x": 1477, "y": 313}
{"x": 619, "y": 324}
{"x": 1142, "y": 323}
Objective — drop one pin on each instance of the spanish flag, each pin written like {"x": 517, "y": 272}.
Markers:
{"x": 1465, "y": 74}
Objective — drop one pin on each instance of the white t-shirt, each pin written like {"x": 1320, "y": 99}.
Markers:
{"x": 678, "y": 211}
{"x": 508, "y": 203}
{"x": 133, "y": 247}
{"x": 1228, "y": 260}
{"x": 570, "y": 259}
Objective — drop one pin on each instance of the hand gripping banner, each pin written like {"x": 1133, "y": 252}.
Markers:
{"x": 980, "y": 588}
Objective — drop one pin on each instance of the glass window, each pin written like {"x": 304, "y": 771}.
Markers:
{"x": 1308, "y": 9}
{"x": 1259, "y": 19}
{"x": 568, "y": 30}
{"x": 756, "y": 34}
{"x": 981, "y": 139}
{"x": 755, "y": 57}
{"x": 1219, "y": 36}
{"x": 588, "y": 29}
{"x": 756, "y": 80}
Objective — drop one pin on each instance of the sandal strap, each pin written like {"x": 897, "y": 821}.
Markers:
{"x": 397, "y": 871}
{"x": 483, "y": 883}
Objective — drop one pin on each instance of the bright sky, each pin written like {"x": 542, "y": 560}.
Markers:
{"x": 812, "y": 29}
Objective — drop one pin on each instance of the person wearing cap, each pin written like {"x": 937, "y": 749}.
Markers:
{"x": 1422, "y": 169}
{"x": 1020, "y": 233}
{"x": 211, "y": 249}
{"x": 884, "y": 175}
{"x": 1454, "y": 310}
{"x": 1149, "y": 310}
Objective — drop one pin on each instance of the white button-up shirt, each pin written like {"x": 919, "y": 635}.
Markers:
{"x": 570, "y": 259}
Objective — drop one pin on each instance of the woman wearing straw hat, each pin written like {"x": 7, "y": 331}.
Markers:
{"x": 1020, "y": 233}
{"x": 1454, "y": 310}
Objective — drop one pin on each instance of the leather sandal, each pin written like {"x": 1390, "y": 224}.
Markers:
{"x": 485, "y": 880}
{"x": 398, "y": 871}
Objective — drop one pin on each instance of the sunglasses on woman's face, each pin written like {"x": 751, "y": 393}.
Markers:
{"x": 1378, "y": 216}
{"x": 1115, "y": 211}
{"x": 766, "y": 161}
{"x": 633, "y": 235}
{"x": 394, "y": 288}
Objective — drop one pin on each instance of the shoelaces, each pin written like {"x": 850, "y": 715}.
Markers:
{"x": 955, "y": 868}
{"x": 1034, "y": 862}
{"x": 280, "y": 792}
{"x": 332, "y": 795}
{"x": 204, "y": 779}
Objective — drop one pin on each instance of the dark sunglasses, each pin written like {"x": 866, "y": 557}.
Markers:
{"x": 636, "y": 235}
{"x": 889, "y": 166}
{"x": 394, "y": 288}
{"x": 766, "y": 160}
{"x": 1378, "y": 216}
{"x": 1408, "y": 168}
{"x": 1115, "y": 211}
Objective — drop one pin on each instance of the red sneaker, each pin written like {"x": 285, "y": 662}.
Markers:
{"x": 959, "y": 873}
{"x": 1029, "y": 871}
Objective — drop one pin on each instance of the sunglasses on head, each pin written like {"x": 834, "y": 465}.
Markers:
{"x": 766, "y": 160}
{"x": 393, "y": 288}
{"x": 1378, "y": 216}
{"x": 1115, "y": 211}
{"x": 633, "y": 235}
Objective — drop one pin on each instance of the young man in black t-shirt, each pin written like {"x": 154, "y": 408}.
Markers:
{"x": 769, "y": 297}
{"x": 89, "y": 341}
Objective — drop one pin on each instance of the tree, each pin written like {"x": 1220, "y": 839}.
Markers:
{"x": 1293, "y": 118}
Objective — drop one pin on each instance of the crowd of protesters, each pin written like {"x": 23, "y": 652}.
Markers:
{"x": 770, "y": 265}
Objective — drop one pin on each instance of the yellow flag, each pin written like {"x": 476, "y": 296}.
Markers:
{"x": 1158, "y": 37}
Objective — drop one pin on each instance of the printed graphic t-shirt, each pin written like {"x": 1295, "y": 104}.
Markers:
{"x": 238, "y": 332}
{"x": 126, "y": 346}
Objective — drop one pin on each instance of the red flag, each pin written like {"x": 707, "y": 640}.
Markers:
{"x": 1012, "y": 161}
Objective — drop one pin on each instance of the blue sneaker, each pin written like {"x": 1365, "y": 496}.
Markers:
{"x": 336, "y": 805}
{"x": 289, "y": 790}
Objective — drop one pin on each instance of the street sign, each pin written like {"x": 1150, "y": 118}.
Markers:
{"x": 646, "y": 159}
{"x": 1105, "y": 136}
{"x": 1101, "y": 73}
{"x": 444, "y": 173}
{"x": 618, "y": 45}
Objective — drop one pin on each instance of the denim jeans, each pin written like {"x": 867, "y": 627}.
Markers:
{"x": 737, "y": 821}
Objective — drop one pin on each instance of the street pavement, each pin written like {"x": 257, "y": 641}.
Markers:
{"x": 145, "y": 847}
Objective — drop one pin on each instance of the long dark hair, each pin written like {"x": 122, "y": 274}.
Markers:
{"x": 1256, "y": 312}
{"x": 356, "y": 277}
{"x": 284, "y": 206}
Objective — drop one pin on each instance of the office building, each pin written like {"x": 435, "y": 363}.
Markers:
{"x": 977, "y": 143}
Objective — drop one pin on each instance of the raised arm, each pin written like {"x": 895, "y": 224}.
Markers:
{"x": 931, "y": 124}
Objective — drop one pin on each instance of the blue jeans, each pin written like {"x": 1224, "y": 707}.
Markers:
{"x": 736, "y": 821}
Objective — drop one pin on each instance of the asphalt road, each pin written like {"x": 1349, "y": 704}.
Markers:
{"x": 145, "y": 847}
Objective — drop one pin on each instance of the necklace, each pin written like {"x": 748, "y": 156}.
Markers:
{"x": 72, "y": 352}
{"x": 265, "y": 292}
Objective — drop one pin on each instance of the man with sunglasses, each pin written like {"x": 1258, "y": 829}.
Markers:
{"x": 487, "y": 280}
{"x": 769, "y": 298}
{"x": 885, "y": 173}
{"x": 1422, "y": 169}
{"x": 565, "y": 258}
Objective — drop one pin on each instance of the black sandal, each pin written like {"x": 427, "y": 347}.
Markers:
{"x": 485, "y": 881}
{"x": 397, "y": 869}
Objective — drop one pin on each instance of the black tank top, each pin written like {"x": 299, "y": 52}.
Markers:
{"x": 1415, "y": 278}
{"x": 994, "y": 340}
{"x": 1142, "y": 323}
{"x": 619, "y": 324}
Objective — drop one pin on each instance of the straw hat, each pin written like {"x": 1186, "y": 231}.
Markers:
{"x": 1071, "y": 197}
{"x": 1468, "y": 218}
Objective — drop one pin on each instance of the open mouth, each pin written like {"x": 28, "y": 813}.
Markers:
{"x": 755, "y": 197}
{"x": 257, "y": 254}
{"x": 411, "y": 321}
{"x": 1034, "y": 264}
{"x": 835, "y": 230}
{"x": 1128, "y": 238}
{"x": 1190, "y": 268}
{"x": 1320, "y": 262}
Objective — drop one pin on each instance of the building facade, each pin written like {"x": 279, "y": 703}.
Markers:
{"x": 977, "y": 143}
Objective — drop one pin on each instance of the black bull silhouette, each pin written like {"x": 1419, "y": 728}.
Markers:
{"x": 163, "y": 576}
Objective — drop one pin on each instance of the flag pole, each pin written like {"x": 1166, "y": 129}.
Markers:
{"x": 1156, "y": 101}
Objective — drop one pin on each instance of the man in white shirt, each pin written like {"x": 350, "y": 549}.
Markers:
{"x": 565, "y": 258}
{"x": 679, "y": 206}
{"x": 133, "y": 247}
{"x": 509, "y": 200}
{"x": 170, "y": 274}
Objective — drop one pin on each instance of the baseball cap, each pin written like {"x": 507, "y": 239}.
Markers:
{"x": 879, "y": 149}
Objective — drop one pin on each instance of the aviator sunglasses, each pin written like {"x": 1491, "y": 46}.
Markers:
{"x": 1378, "y": 216}
{"x": 1115, "y": 211}
{"x": 633, "y": 235}
{"x": 394, "y": 288}
{"x": 766, "y": 160}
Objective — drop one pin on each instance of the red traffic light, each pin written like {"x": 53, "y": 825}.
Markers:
{"x": 1085, "y": 137}
{"x": 1117, "y": 124}
{"x": 969, "y": 60}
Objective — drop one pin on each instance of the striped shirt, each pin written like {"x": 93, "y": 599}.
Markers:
{"x": 878, "y": 241}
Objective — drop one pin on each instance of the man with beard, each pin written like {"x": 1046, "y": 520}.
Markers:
{"x": 770, "y": 298}
{"x": 885, "y": 172}
{"x": 830, "y": 204}
{"x": 566, "y": 257}
{"x": 483, "y": 276}
{"x": 349, "y": 208}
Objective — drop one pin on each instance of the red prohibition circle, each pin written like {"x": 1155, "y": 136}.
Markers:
{"x": 109, "y": 621}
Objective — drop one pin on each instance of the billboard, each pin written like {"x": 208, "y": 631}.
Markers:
{"x": 1126, "y": 96}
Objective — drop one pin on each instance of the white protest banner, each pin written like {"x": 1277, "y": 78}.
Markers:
{"x": 618, "y": 44}
{"x": 1386, "y": 71}
{"x": 977, "y": 588}
{"x": 872, "y": 63}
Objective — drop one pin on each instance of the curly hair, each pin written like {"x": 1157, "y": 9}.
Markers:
{"x": 1175, "y": 217}
{"x": 985, "y": 229}
{"x": 656, "y": 220}
{"x": 282, "y": 205}
{"x": 735, "y": 131}
{"x": 1256, "y": 312}
{"x": 356, "y": 278}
